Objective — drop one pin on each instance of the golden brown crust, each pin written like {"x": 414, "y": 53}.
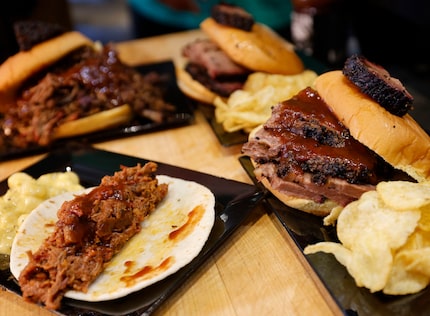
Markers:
{"x": 262, "y": 49}
{"x": 95, "y": 122}
{"x": 399, "y": 140}
{"x": 304, "y": 205}
{"x": 190, "y": 87}
{"x": 21, "y": 66}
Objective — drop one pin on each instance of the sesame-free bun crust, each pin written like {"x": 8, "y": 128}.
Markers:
{"x": 24, "y": 64}
{"x": 398, "y": 140}
{"x": 261, "y": 49}
{"x": 304, "y": 205}
{"x": 190, "y": 87}
{"x": 95, "y": 122}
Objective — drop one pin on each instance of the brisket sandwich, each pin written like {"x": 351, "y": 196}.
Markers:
{"x": 329, "y": 144}
{"x": 234, "y": 46}
{"x": 62, "y": 84}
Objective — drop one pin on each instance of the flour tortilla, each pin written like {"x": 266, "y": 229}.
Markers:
{"x": 188, "y": 209}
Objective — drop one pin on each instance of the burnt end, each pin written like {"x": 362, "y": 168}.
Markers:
{"x": 374, "y": 81}
{"x": 233, "y": 16}
{"x": 29, "y": 33}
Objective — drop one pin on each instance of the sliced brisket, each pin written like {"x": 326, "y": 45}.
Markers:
{"x": 213, "y": 68}
{"x": 304, "y": 151}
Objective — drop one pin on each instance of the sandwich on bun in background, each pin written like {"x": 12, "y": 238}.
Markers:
{"x": 62, "y": 84}
{"x": 334, "y": 141}
{"x": 234, "y": 46}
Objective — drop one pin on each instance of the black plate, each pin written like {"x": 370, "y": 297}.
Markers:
{"x": 306, "y": 229}
{"x": 240, "y": 137}
{"x": 234, "y": 201}
{"x": 182, "y": 116}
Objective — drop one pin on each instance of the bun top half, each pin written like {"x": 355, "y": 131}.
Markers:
{"x": 399, "y": 140}
{"x": 260, "y": 49}
{"x": 24, "y": 64}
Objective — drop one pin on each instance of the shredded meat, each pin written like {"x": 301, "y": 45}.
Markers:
{"x": 90, "y": 230}
{"x": 85, "y": 83}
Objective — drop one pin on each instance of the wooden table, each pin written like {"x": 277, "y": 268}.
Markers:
{"x": 259, "y": 270}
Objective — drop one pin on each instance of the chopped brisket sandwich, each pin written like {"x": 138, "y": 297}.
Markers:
{"x": 235, "y": 46}
{"x": 329, "y": 144}
{"x": 131, "y": 231}
{"x": 62, "y": 84}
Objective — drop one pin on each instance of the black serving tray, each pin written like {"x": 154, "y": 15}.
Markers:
{"x": 306, "y": 229}
{"x": 234, "y": 201}
{"x": 183, "y": 115}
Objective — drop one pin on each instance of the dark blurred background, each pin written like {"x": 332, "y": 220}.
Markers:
{"x": 392, "y": 33}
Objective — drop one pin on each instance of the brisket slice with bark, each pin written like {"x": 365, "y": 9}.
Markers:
{"x": 304, "y": 151}
{"x": 90, "y": 230}
{"x": 213, "y": 68}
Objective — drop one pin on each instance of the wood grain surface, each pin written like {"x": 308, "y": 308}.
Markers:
{"x": 259, "y": 270}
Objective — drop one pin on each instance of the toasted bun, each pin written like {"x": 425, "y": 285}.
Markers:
{"x": 190, "y": 87}
{"x": 305, "y": 205}
{"x": 398, "y": 140}
{"x": 96, "y": 122}
{"x": 21, "y": 66}
{"x": 261, "y": 49}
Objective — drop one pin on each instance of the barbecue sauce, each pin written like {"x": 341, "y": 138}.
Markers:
{"x": 292, "y": 118}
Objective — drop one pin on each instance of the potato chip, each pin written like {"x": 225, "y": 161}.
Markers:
{"x": 403, "y": 195}
{"x": 371, "y": 262}
{"x": 411, "y": 268}
{"x": 250, "y": 107}
{"x": 403, "y": 281}
{"x": 395, "y": 227}
{"x": 378, "y": 244}
{"x": 424, "y": 222}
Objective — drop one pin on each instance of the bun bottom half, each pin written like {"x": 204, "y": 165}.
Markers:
{"x": 95, "y": 122}
{"x": 304, "y": 205}
{"x": 190, "y": 87}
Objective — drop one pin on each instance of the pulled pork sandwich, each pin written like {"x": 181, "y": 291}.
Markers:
{"x": 329, "y": 144}
{"x": 235, "y": 46}
{"x": 62, "y": 84}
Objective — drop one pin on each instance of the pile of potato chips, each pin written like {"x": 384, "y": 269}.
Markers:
{"x": 250, "y": 107}
{"x": 385, "y": 238}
